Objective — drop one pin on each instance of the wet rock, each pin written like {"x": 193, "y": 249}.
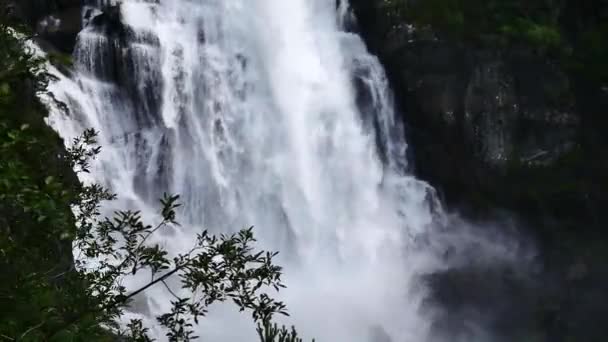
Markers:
{"x": 506, "y": 128}
{"x": 481, "y": 117}
{"x": 56, "y": 21}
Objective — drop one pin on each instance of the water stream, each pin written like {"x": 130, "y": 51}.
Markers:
{"x": 265, "y": 113}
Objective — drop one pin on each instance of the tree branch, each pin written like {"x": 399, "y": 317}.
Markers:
{"x": 30, "y": 330}
{"x": 150, "y": 284}
{"x": 170, "y": 291}
{"x": 7, "y": 337}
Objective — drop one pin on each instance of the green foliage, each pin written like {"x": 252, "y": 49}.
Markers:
{"x": 36, "y": 228}
{"x": 60, "y": 59}
{"x": 506, "y": 21}
{"x": 576, "y": 35}
{"x": 271, "y": 332}
{"x": 537, "y": 35}
{"x": 592, "y": 52}
{"x": 66, "y": 303}
{"x": 214, "y": 269}
{"x": 36, "y": 223}
{"x": 17, "y": 62}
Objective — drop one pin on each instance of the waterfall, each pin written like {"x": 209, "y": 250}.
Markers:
{"x": 266, "y": 113}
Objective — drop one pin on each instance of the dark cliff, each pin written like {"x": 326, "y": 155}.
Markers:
{"x": 494, "y": 127}
{"x": 55, "y": 22}
{"x": 509, "y": 126}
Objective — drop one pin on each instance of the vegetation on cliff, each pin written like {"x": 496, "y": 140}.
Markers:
{"x": 572, "y": 31}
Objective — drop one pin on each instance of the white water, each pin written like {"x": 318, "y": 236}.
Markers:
{"x": 250, "y": 110}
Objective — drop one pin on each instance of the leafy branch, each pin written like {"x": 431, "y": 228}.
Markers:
{"x": 215, "y": 269}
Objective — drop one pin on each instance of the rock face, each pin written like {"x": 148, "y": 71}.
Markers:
{"x": 479, "y": 116}
{"x": 487, "y": 123}
{"x": 506, "y": 128}
{"x": 55, "y": 21}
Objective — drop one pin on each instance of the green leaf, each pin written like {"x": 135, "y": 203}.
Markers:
{"x": 5, "y": 89}
{"x": 63, "y": 336}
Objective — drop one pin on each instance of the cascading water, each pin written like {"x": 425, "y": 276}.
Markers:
{"x": 264, "y": 113}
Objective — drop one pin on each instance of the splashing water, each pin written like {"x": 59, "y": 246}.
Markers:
{"x": 264, "y": 113}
